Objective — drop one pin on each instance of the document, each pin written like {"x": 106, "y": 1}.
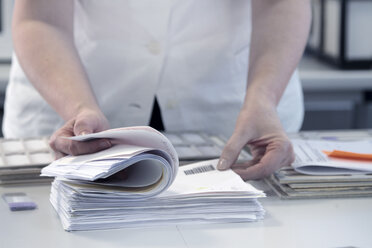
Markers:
{"x": 312, "y": 158}
{"x": 135, "y": 183}
{"x": 145, "y": 157}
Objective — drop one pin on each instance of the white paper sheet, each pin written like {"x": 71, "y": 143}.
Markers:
{"x": 199, "y": 194}
{"x": 149, "y": 154}
{"x": 310, "y": 158}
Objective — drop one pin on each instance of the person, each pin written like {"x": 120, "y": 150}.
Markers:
{"x": 82, "y": 66}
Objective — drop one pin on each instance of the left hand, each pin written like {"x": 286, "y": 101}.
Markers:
{"x": 258, "y": 126}
{"x": 85, "y": 122}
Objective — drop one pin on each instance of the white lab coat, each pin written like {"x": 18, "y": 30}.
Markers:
{"x": 191, "y": 54}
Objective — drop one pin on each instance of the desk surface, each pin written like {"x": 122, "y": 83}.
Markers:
{"x": 288, "y": 223}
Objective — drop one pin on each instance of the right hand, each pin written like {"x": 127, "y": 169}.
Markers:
{"x": 258, "y": 127}
{"x": 86, "y": 122}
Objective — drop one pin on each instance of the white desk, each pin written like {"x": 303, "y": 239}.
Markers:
{"x": 288, "y": 223}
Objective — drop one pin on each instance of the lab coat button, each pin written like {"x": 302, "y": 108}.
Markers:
{"x": 154, "y": 47}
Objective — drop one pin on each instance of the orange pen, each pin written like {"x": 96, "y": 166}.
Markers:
{"x": 349, "y": 155}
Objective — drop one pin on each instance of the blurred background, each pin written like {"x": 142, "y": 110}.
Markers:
{"x": 336, "y": 69}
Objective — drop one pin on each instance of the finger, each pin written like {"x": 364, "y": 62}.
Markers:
{"x": 253, "y": 172}
{"x": 58, "y": 155}
{"x": 230, "y": 152}
{"x": 270, "y": 162}
{"x": 245, "y": 164}
{"x": 83, "y": 127}
{"x": 71, "y": 147}
{"x": 65, "y": 131}
{"x": 257, "y": 152}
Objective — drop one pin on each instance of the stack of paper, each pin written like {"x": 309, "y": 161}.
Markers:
{"x": 289, "y": 184}
{"x": 130, "y": 185}
{"x": 315, "y": 174}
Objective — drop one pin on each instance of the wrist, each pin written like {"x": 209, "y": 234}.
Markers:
{"x": 259, "y": 112}
{"x": 80, "y": 109}
{"x": 264, "y": 90}
{"x": 260, "y": 98}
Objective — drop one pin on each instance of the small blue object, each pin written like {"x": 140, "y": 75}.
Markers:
{"x": 330, "y": 138}
{"x": 19, "y": 201}
{"x": 18, "y": 206}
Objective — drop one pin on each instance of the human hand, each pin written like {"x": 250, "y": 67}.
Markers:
{"x": 87, "y": 121}
{"x": 258, "y": 126}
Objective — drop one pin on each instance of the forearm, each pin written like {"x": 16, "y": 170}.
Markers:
{"x": 45, "y": 48}
{"x": 279, "y": 33}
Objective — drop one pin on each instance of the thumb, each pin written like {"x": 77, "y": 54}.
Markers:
{"x": 230, "y": 152}
{"x": 82, "y": 128}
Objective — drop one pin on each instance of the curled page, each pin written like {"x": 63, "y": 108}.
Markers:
{"x": 142, "y": 163}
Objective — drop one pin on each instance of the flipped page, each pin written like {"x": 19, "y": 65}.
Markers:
{"x": 146, "y": 156}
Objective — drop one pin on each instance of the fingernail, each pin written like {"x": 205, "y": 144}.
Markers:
{"x": 222, "y": 164}
{"x": 83, "y": 133}
{"x": 103, "y": 144}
